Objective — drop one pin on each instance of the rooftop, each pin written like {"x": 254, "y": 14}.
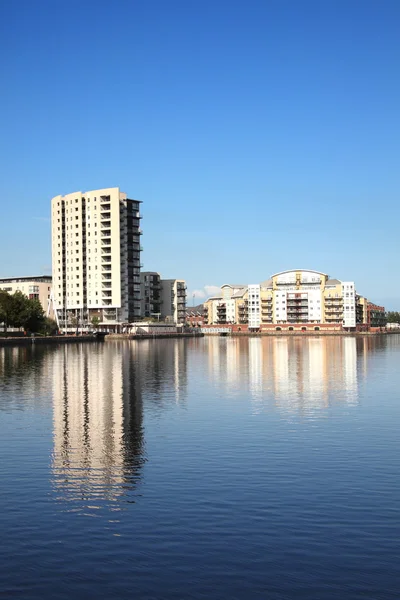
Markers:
{"x": 33, "y": 279}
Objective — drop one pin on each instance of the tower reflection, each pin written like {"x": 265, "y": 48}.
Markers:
{"x": 98, "y": 395}
{"x": 98, "y": 421}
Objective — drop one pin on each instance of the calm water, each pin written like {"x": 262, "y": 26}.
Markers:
{"x": 210, "y": 468}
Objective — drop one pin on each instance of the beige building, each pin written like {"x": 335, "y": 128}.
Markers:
{"x": 38, "y": 288}
{"x": 96, "y": 256}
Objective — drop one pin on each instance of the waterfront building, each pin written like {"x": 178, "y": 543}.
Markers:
{"x": 296, "y": 297}
{"x": 376, "y": 315}
{"x": 96, "y": 257}
{"x": 173, "y": 300}
{"x": 38, "y": 288}
{"x": 150, "y": 294}
{"x": 195, "y": 315}
{"x": 164, "y": 299}
{"x": 224, "y": 308}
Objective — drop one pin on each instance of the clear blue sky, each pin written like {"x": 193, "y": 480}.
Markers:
{"x": 260, "y": 135}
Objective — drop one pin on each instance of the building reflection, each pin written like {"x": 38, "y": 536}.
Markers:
{"x": 294, "y": 373}
{"x": 98, "y": 421}
{"x": 24, "y": 375}
{"x": 98, "y": 393}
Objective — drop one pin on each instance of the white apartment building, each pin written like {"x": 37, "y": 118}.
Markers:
{"x": 254, "y": 311}
{"x": 96, "y": 256}
{"x": 349, "y": 303}
{"x": 173, "y": 300}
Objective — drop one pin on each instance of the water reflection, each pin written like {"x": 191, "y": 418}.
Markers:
{"x": 24, "y": 375}
{"x": 99, "y": 394}
{"x": 97, "y": 421}
{"x": 99, "y": 448}
{"x": 297, "y": 374}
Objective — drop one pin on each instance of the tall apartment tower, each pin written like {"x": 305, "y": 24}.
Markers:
{"x": 96, "y": 257}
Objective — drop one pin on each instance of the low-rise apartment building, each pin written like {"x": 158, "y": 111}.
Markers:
{"x": 38, "y": 288}
{"x": 293, "y": 297}
{"x": 376, "y": 315}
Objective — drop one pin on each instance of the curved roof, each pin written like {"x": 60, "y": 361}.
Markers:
{"x": 299, "y": 271}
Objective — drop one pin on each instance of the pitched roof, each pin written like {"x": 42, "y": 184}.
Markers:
{"x": 333, "y": 282}
{"x": 240, "y": 293}
{"x": 266, "y": 283}
{"x": 199, "y": 308}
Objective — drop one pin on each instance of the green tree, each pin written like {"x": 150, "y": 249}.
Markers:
{"x": 35, "y": 316}
{"x": 49, "y": 327}
{"x": 95, "y": 321}
{"x": 393, "y": 317}
{"x": 5, "y": 309}
{"x": 17, "y": 310}
{"x": 20, "y": 309}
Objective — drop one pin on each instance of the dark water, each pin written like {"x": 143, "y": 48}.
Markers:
{"x": 210, "y": 468}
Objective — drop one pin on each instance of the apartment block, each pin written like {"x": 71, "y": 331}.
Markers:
{"x": 173, "y": 300}
{"x": 96, "y": 256}
{"x": 38, "y": 288}
{"x": 296, "y": 297}
{"x": 376, "y": 315}
{"x": 150, "y": 292}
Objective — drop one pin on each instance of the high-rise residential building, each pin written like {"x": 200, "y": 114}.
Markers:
{"x": 173, "y": 300}
{"x": 96, "y": 257}
{"x": 38, "y": 288}
{"x": 150, "y": 292}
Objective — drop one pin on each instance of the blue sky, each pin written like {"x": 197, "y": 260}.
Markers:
{"x": 260, "y": 135}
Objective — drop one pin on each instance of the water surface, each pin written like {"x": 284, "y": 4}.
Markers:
{"x": 237, "y": 468}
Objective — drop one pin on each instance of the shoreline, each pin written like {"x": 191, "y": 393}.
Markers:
{"x": 51, "y": 340}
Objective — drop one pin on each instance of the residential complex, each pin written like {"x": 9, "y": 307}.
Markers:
{"x": 162, "y": 298}
{"x": 38, "y": 288}
{"x": 293, "y": 298}
{"x": 96, "y": 256}
{"x": 96, "y": 263}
